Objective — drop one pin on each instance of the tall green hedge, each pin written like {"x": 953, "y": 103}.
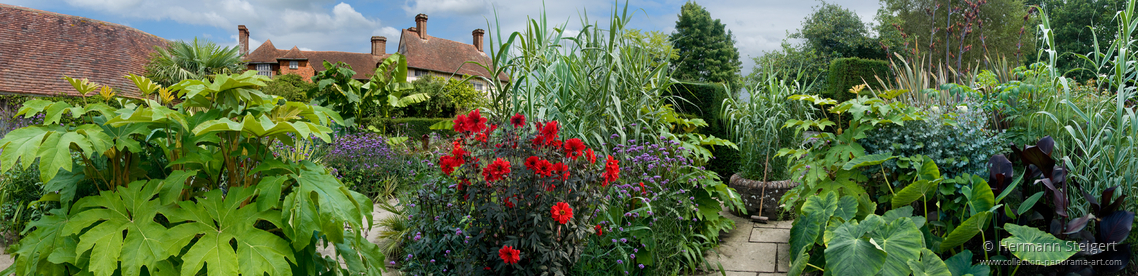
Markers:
{"x": 410, "y": 127}
{"x": 848, "y": 72}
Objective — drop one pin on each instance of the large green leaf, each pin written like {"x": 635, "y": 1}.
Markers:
{"x": 129, "y": 209}
{"x": 816, "y": 211}
{"x": 929, "y": 265}
{"x": 968, "y": 229}
{"x": 868, "y": 160}
{"x": 321, "y": 200}
{"x": 35, "y": 248}
{"x": 902, "y": 240}
{"x": 21, "y": 144}
{"x": 982, "y": 198}
{"x": 849, "y": 252}
{"x": 220, "y": 221}
{"x": 847, "y": 207}
{"x": 961, "y": 264}
{"x": 913, "y": 192}
{"x": 1035, "y": 246}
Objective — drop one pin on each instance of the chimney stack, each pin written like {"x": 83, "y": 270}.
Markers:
{"x": 478, "y": 38}
{"x": 243, "y": 39}
{"x": 421, "y": 25}
{"x": 378, "y": 45}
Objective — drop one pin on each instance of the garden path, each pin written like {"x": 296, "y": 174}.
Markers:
{"x": 753, "y": 249}
{"x": 5, "y": 260}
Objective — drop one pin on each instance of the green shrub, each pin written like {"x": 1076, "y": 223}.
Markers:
{"x": 409, "y": 127}
{"x": 956, "y": 138}
{"x": 292, "y": 87}
{"x": 448, "y": 97}
{"x": 847, "y": 72}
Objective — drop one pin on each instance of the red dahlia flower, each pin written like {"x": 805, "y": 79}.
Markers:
{"x": 549, "y": 131}
{"x": 496, "y": 170}
{"x": 475, "y": 122}
{"x": 509, "y": 254}
{"x": 448, "y": 163}
{"x": 573, "y": 148}
{"x": 543, "y": 168}
{"x": 518, "y": 120}
{"x": 612, "y": 171}
{"x": 643, "y": 190}
{"x": 592, "y": 157}
{"x": 460, "y": 123}
{"x": 531, "y": 162}
{"x": 561, "y": 169}
{"x": 562, "y": 212}
{"x": 599, "y": 229}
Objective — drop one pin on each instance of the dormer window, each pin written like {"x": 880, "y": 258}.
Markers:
{"x": 292, "y": 65}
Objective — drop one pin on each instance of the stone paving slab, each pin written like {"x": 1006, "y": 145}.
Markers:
{"x": 784, "y": 224}
{"x": 783, "y": 257}
{"x": 5, "y": 260}
{"x": 754, "y": 257}
{"x": 772, "y": 235}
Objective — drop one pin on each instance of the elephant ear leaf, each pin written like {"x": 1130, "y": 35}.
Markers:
{"x": 961, "y": 264}
{"x": 929, "y": 265}
{"x": 868, "y": 160}
{"x": 850, "y": 252}
{"x": 902, "y": 240}
{"x": 1026, "y": 239}
{"x": 966, "y": 231}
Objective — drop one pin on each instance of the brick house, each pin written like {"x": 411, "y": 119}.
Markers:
{"x": 270, "y": 61}
{"x": 426, "y": 55}
{"x": 37, "y": 48}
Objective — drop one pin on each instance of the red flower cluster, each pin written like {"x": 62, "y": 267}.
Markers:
{"x": 518, "y": 120}
{"x": 562, "y": 170}
{"x": 599, "y": 229}
{"x": 612, "y": 171}
{"x": 547, "y": 135}
{"x": 573, "y": 148}
{"x": 472, "y": 122}
{"x": 509, "y": 254}
{"x": 562, "y": 212}
{"x": 449, "y": 162}
{"x": 592, "y": 157}
{"x": 496, "y": 170}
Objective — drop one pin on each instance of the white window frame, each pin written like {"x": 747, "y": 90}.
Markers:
{"x": 265, "y": 69}
{"x": 478, "y": 86}
{"x": 292, "y": 64}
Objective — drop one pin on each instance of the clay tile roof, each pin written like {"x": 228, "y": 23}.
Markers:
{"x": 37, "y": 48}
{"x": 266, "y": 53}
{"x": 293, "y": 54}
{"x": 363, "y": 63}
{"x": 443, "y": 55}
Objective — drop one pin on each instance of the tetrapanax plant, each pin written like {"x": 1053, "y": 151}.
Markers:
{"x": 530, "y": 198}
{"x": 188, "y": 188}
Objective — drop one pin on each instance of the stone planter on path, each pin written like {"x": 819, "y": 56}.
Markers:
{"x": 752, "y": 193}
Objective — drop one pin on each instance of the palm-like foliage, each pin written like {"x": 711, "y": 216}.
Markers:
{"x": 197, "y": 59}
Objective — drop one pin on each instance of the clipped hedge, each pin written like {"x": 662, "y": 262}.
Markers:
{"x": 847, "y": 72}
{"x": 410, "y": 127}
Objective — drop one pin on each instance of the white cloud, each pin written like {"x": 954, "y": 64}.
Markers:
{"x": 466, "y": 7}
{"x": 308, "y": 24}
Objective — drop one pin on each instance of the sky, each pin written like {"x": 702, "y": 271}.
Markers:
{"x": 348, "y": 25}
